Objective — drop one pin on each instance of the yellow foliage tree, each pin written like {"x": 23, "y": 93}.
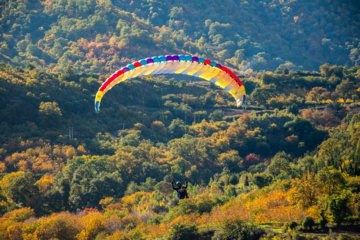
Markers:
{"x": 58, "y": 226}
{"x": 2, "y": 167}
{"x": 45, "y": 183}
{"x": 304, "y": 191}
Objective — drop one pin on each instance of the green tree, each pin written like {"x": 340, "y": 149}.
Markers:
{"x": 33, "y": 50}
{"x": 237, "y": 229}
{"x": 180, "y": 231}
{"x": 20, "y": 187}
{"x": 182, "y": 84}
{"x": 49, "y": 114}
{"x": 279, "y": 164}
{"x": 306, "y": 132}
{"x": 231, "y": 160}
{"x": 339, "y": 207}
{"x": 325, "y": 70}
{"x": 346, "y": 89}
{"x": 217, "y": 115}
{"x": 260, "y": 96}
{"x": 261, "y": 180}
{"x": 294, "y": 109}
{"x": 177, "y": 128}
{"x": 331, "y": 180}
{"x": 323, "y": 219}
{"x": 69, "y": 75}
{"x": 200, "y": 115}
{"x": 308, "y": 223}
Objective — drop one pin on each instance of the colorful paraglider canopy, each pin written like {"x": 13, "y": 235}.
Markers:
{"x": 177, "y": 64}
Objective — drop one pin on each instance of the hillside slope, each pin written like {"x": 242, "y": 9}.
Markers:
{"x": 98, "y": 36}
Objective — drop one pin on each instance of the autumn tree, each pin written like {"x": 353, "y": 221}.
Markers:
{"x": 305, "y": 191}
{"x": 49, "y": 114}
{"x": 20, "y": 187}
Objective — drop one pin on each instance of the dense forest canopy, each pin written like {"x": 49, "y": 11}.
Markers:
{"x": 97, "y": 36}
{"x": 284, "y": 166}
{"x": 120, "y": 161}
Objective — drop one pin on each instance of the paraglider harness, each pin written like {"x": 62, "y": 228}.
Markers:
{"x": 181, "y": 192}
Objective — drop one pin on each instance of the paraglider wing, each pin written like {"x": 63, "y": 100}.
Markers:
{"x": 177, "y": 64}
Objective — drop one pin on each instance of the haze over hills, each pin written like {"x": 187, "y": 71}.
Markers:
{"x": 97, "y": 36}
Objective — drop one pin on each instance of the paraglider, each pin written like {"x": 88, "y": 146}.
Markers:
{"x": 180, "y": 189}
{"x": 177, "y": 64}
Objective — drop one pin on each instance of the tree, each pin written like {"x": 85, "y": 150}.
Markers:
{"x": 237, "y": 229}
{"x": 331, "y": 180}
{"x": 250, "y": 159}
{"x": 293, "y": 225}
{"x": 33, "y": 50}
{"x": 294, "y": 109}
{"x": 49, "y": 114}
{"x": 261, "y": 180}
{"x": 305, "y": 190}
{"x": 20, "y": 187}
{"x": 339, "y": 207}
{"x": 177, "y": 128}
{"x": 217, "y": 115}
{"x": 231, "y": 160}
{"x": 172, "y": 82}
{"x": 159, "y": 130}
{"x": 268, "y": 79}
{"x": 60, "y": 226}
{"x": 176, "y": 12}
{"x": 346, "y": 89}
{"x": 19, "y": 215}
{"x": 323, "y": 220}
{"x": 306, "y": 132}
{"x": 316, "y": 94}
{"x": 308, "y": 223}
{"x": 69, "y": 75}
{"x": 260, "y": 96}
{"x": 131, "y": 139}
{"x": 94, "y": 226}
{"x": 91, "y": 182}
{"x": 180, "y": 231}
{"x": 50, "y": 108}
{"x": 279, "y": 164}
{"x": 200, "y": 115}
{"x": 325, "y": 70}
{"x": 182, "y": 84}
{"x": 104, "y": 185}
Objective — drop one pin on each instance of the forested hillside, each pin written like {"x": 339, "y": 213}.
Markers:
{"x": 101, "y": 36}
{"x": 285, "y": 165}
{"x": 296, "y": 163}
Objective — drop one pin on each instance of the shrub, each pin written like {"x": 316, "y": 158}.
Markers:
{"x": 323, "y": 220}
{"x": 358, "y": 209}
{"x": 293, "y": 225}
{"x": 262, "y": 180}
{"x": 339, "y": 208}
{"x": 94, "y": 227}
{"x": 155, "y": 220}
{"x": 15, "y": 231}
{"x": 308, "y": 223}
{"x": 157, "y": 208}
{"x": 57, "y": 227}
{"x": 237, "y": 229}
{"x": 352, "y": 219}
{"x": 180, "y": 231}
{"x": 344, "y": 237}
{"x": 294, "y": 109}
{"x": 19, "y": 215}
